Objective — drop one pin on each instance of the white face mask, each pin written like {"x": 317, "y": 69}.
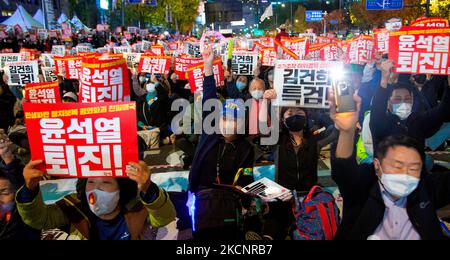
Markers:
{"x": 257, "y": 94}
{"x": 402, "y": 110}
{"x": 151, "y": 87}
{"x": 399, "y": 185}
{"x": 102, "y": 202}
{"x": 142, "y": 79}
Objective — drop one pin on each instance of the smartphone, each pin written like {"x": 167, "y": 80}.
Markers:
{"x": 343, "y": 92}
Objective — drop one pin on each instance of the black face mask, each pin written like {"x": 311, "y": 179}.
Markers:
{"x": 295, "y": 123}
{"x": 420, "y": 79}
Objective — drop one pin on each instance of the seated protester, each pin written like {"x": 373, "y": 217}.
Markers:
{"x": 187, "y": 142}
{"x": 392, "y": 199}
{"x": 11, "y": 179}
{"x": 236, "y": 89}
{"x": 139, "y": 82}
{"x": 400, "y": 118}
{"x": 7, "y": 102}
{"x": 153, "y": 113}
{"x": 178, "y": 87}
{"x": 66, "y": 85}
{"x": 70, "y": 97}
{"x": 225, "y": 159}
{"x": 102, "y": 209}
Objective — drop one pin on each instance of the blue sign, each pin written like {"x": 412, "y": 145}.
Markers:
{"x": 314, "y": 16}
{"x": 334, "y": 22}
{"x": 384, "y": 4}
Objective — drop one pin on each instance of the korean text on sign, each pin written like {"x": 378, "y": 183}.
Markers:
{"x": 196, "y": 75}
{"x": 155, "y": 64}
{"x": 83, "y": 140}
{"x": 303, "y": 83}
{"x": 43, "y": 93}
{"x": 244, "y": 63}
{"x": 360, "y": 50}
{"x": 22, "y": 72}
{"x": 421, "y": 51}
{"x": 105, "y": 80}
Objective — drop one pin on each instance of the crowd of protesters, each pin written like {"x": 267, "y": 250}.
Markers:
{"x": 390, "y": 188}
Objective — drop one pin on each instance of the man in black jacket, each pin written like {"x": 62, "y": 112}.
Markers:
{"x": 392, "y": 111}
{"x": 392, "y": 199}
{"x": 220, "y": 159}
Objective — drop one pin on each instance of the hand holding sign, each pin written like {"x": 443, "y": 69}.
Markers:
{"x": 5, "y": 151}
{"x": 32, "y": 175}
{"x": 344, "y": 122}
{"x": 140, "y": 173}
{"x": 386, "y": 70}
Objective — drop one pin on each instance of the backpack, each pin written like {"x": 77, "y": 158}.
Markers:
{"x": 317, "y": 218}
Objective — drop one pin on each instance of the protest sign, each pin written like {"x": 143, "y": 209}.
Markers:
{"x": 133, "y": 60}
{"x": 9, "y": 57}
{"x": 329, "y": 52}
{"x": 192, "y": 49}
{"x": 303, "y": 83}
{"x": 104, "y": 80}
{"x": 42, "y": 93}
{"x": 69, "y": 67}
{"x": 59, "y": 50}
{"x": 381, "y": 40}
{"x": 83, "y": 140}
{"x": 360, "y": 50}
{"x": 244, "y": 62}
{"x": 196, "y": 75}
{"x": 158, "y": 50}
{"x": 430, "y": 22}
{"x": 49, "y": 74}
{"x": 155, "y": 64}
{"x": 182, "y": 64}
{"x": 417, "y": 50}
{"x": 268, "y": 56}
{"x": 22, "y": 72}
{"x": 47, "y": 60}
{"x": 299, "y": 46}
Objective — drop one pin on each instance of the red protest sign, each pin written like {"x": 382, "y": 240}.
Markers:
{"x": 104, "y": 80}
{"x": 69, "y": 67}
{"x": 381, "y": 40}
{"x": 268, "y": 42}
{"x": 421, "y": 51}
{"x": 431, "y": 22}
{"x": 182, "y": 65}
{"x": 329, "y": 52}
{"x": 158, "y": 50}
{"x": 314, "y": 51}
{"x": 268, "y": 56}
{"x": 45, "y": 93}
{"x": 297, "y": 46}
{"x": 360, "y": 50}
{"x": 83, "y": 140}
{"x": 155, "y": 64}
{"x": 196, "y": 75}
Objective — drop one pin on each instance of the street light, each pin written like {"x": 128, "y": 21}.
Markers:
{"x": 283, "y": 5}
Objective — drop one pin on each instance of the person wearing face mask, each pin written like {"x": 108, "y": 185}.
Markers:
{"x": 237, "y": 89}
{"x": 102, "y": 209}
{"x": 220, "y": 159}
{"x": 392, "y": 199}
{"x": 139, "y": 82}
{"x": 392, "y": 111}
{"x": 153, "y": 112}
{"x": 296, "y": 157}
{"x": 11, "y": 225}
